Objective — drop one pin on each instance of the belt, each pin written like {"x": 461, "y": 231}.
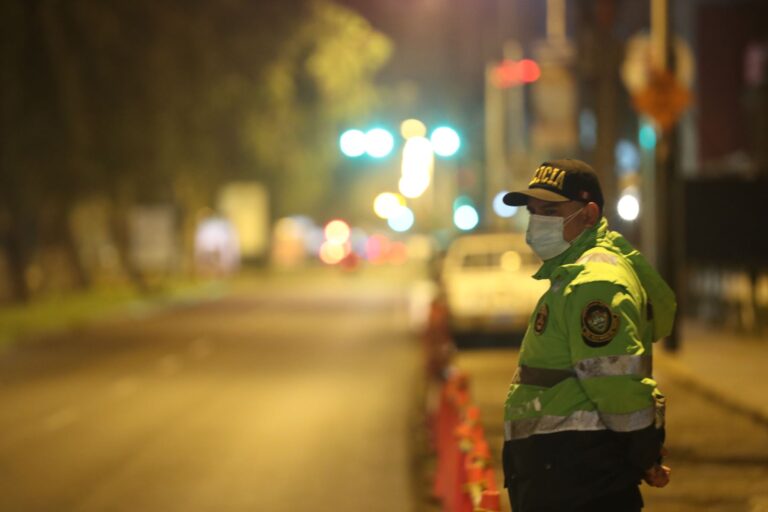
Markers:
{"x": 544, "y": 377}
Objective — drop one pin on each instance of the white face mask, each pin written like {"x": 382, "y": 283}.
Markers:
{"x": 545, "y": 235}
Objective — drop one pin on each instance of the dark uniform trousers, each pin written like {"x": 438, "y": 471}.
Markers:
{"x": 571, "y": 472}
{"x": 625, "y": 501}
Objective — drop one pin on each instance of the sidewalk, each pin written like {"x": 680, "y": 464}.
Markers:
{"x": 726, "y": 367}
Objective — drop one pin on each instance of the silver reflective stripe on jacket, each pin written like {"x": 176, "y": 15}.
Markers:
{"x": 544, "y": 377}
{"x": 578, "y": 421}
{"x": 607, "y": 366}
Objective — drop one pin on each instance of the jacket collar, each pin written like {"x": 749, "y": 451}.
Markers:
{"x": 659, "y": 293}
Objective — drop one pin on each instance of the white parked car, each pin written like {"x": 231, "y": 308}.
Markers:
{"x": 488, "y": 284}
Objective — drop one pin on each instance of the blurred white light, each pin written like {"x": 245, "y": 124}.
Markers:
{"x": 502, "y": 209}
{"x": 418, "y": 157}
{"x": 332, "y": 253}
{"x": 628, "y": 207}
{"x": 385, "y": 203}
{"x": 352, "y": 143}
{"x": 216, "y": 245}
{"x": 465, "y": 217}
{"x": 417, "y": 165}
{"x": 413, "y": 186}
{"x": 379, "y": 143}
{"x": 445, "y": 141}
{"x": 337, "y": 231}
{"x": 401, "y": 220}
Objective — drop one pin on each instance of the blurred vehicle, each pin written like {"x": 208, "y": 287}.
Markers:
{"x": 488, "y": 285}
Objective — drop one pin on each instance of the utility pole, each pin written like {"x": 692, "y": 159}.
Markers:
{"x": 606, "y": 107}
{"x": 553, "y": 130}
{"x": 669, "y": 209}
{"x": 495, "y": 148}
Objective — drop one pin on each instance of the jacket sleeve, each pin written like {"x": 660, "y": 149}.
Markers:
{"x": 613, "y": 365}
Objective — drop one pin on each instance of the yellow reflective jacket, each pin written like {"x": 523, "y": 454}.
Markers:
{"x": 585, "y": 361}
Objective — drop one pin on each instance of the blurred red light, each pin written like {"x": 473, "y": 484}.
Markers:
{"x": 398, "y": 253}
{"x": 506, "y": 74}
{"x": 510, "y": 73}
{"x": 528, "y": 70}
{"x": 376, "y": 248}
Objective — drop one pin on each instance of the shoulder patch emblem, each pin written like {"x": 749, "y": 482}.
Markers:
{"x": 541, "y": 319}
{"x": 598, "y": 324}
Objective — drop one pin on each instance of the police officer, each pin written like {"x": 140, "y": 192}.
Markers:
{"x": 583, "y": 416}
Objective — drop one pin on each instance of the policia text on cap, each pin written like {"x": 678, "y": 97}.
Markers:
{"x": 584, "y": 420}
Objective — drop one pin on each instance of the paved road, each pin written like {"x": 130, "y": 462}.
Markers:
{"x": 719, "y": 458}
{"x": 282, "y": 399}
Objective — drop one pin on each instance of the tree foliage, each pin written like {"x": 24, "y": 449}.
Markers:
{"x": 153, "y": 101}
{"x": 321, "y": 80}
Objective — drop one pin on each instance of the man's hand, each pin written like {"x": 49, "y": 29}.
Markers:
{"x": 657, "y": 476}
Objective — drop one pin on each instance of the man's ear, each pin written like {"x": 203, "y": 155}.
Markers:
{"x": 593, "y": 213}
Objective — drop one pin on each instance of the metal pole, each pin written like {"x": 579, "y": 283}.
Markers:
{"x": 495, "y": 153}
{"x": 667, "y": 187}
{"x": 556, "y": 20}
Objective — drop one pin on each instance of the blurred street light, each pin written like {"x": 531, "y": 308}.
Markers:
{"x": 445, "y": 141}
{"x": 332, "y": 253}
{"x": 417, "y": 167}
{"x": 466, "y": 217}
{"x": 401, "y": 220}
{"x": 352, "y": 143}
{"x": 337, "y": 231}
{"x": 379, "y": 143}
{"x": 413, "y": 186}
{"x": 500, "y": 208}
{"x": 386, "y": 203}
{"x": 628, "y": 206}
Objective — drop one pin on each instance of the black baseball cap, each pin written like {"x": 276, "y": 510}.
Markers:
{"x": 559, "y": 181}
